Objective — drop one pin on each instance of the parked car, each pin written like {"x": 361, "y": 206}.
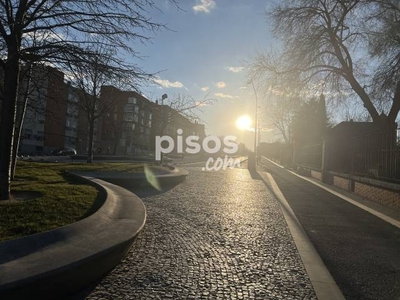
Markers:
{"x": 63, "y": 151}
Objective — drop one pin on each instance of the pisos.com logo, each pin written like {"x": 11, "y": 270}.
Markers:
{"x": 191, "y": 145}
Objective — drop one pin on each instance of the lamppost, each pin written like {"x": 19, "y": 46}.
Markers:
{"x": 252, "y": 162}
{"x": 163, "y": 122}
{"x": 131, "y": 145}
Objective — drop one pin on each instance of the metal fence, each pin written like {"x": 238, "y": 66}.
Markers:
{"x": 310, "y": 155}
{"x": 376, "y": 155}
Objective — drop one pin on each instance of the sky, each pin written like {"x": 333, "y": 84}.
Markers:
{"x": 204, "y": 54}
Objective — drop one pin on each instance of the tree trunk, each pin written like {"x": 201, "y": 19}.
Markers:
{"x": 394, "y": 111}
{"x": 11, "y": 78}
{"x": 116, "y": 142}
{"x": 364, "y": 97}
{"x": 17, "y": 135}
{"x": 20, "y": 115}
{"x": 90, "y": 148}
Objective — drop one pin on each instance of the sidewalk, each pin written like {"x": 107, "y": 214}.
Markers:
{"x": 361, "y": 251}
{"x": 218, "y": 235}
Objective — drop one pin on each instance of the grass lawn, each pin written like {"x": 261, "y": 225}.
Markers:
{"x": 44, "y": 197}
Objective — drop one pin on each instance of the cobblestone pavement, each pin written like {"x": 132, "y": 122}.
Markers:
{"x": 219, "y": 235}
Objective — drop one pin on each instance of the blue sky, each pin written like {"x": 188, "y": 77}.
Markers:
{"x": 204, "y": 53}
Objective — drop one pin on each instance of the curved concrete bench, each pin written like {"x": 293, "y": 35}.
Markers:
{"x": 60, "y": 262}
{"x": 173, "y": 177}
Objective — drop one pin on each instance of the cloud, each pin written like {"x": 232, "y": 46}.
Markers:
{"x": 168, "y": 84}
{"x": 243, "y": 87}
{"x": 222, "y": 95}
{"x": 235, "y": 69}
{"x": 200, "y": 104}
{"x": 220, "y": 85}
{"x": 204, "y": 6}
{"x": 205, "y": 88}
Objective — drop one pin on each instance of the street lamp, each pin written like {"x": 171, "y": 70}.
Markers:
{"x": 253, "y": 157}
{"x": 165, "y": 96}
{"x": 163, "y": 123}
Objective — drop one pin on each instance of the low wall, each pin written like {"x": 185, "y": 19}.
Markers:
{"x": 58, "y": 263}
{"x": 381, "y": 192}
{"x": 387, "y": 194}
{"x": 316, "y": 174}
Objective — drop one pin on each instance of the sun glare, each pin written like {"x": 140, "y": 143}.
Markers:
{"x": 243, "y": 122}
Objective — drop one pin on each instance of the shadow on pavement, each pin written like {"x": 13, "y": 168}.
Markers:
{"x": 254, "y": 175}
{"x": 143, "y": 192}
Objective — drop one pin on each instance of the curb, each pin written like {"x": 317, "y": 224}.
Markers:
{"x": 61, "y": 262}
{"x": 324, "y": 285}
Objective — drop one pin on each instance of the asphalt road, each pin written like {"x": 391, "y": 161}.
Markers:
{"x": 218, "y": 235}
{"x": 361, "y": 251}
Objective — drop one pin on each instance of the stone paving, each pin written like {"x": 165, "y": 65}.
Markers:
{"x": 219, "y": 235}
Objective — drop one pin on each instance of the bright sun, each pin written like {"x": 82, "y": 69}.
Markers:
{"x": 243, "y": 122}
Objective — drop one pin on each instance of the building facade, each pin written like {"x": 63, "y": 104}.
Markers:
{"x": 43, "y": 128}
{"x": 126, "y": 127}
{"x": 54, "y": 119}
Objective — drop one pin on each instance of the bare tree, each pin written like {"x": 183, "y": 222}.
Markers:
{"x": 188, "y": 106}
{"x": 22, "y": 102}
{"x": 55, "y": 31}
{"x": 279, "y": 111}
{"x": 331, "y": 44}
{"x": 384, "y": 46}
{"x": 102, "y": 67}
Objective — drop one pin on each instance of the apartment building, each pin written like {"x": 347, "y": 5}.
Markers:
{"x": 168, "y": 121}
{"x": 126, "y": 127}
{"x": 54, "y": 119}
{"x": 43, "y": 129}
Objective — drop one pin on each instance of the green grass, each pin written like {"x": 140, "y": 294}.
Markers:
{"x": 56, "y": 199}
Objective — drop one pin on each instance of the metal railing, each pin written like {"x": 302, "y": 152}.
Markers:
{"x": 310, "y": 155}
{"x": 375, "y": 155}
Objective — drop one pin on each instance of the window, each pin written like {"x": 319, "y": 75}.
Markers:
{"x": 40, "y": 135}
{"x": 132, "y": 100}
{"x": 129, "y": 108}
{"x": 136, "y": 109}
{"x": 129, "y": 126}
{"x": 150, "y": 116}
{"x": 72, "y": 97}
{"x": 28, "y": 133}
{"x": 136, "y": 118}
{"x": 128, "y": 117}
{"x": 72, "y": 111}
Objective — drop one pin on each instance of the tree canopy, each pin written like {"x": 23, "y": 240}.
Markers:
{"x": 339, "y": 47}
{"x": 57, "y": 32}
